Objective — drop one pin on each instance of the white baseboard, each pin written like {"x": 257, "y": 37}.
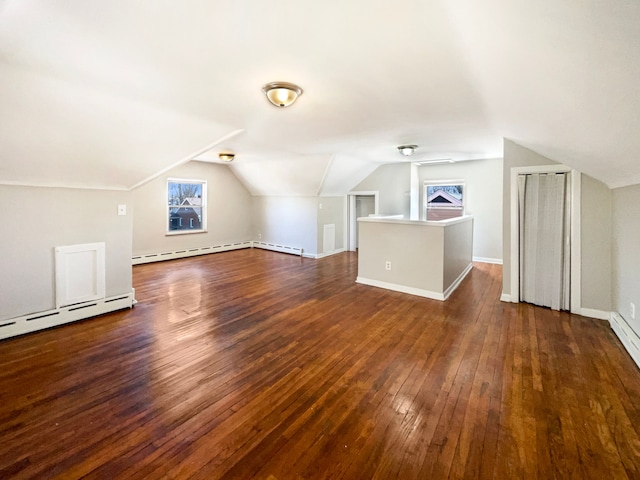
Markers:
{"x": 593, "y": 313}
{"x": 505, "y": 297}
{"x": 12, "y": 327}
{"x": 416, "y": 291}
{"x": 401, "y": 288}
{"x": 457, "y": 281}
{"x": 497, "y": 261}
{"x": 188, "y": 252}
{"x": 278, "y": 248}
{"x": 323, "y": 255}
{"x": 627, "y": 336}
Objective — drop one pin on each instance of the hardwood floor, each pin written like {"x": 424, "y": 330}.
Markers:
{"x": 254, "y": 364}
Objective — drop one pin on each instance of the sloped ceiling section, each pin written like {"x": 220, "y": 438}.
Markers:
{"x": 107, "y": 94}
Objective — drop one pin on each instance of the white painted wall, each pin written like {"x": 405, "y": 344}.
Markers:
{"x": 596, "y": 241}
{"x": 393, "y": 182}
{"x": 426, "y": 258}
{"x": 626, "y": 253}
{"x": 36, "y": 220}
{"x": 483, "y": 200}
{"x": 229, "y": 211}
{"x": 288, "y": 221}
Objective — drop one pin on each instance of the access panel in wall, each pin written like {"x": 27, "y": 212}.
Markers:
{"x": 80, "y": 273}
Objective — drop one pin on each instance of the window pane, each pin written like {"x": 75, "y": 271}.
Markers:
{"x": 185, "y": 206}
{"x": 185, "y": 218}
{"x": 444, "y": 202}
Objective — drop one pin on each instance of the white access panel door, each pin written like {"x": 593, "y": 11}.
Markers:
{"x": 80, "y": 273}
{"x": 329, "y": 238}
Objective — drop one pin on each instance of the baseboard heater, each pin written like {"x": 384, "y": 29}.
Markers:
{"x": 627, "y": 336}
{"x": 52, "y": 318}
{"x": 188, "y": 252}
{"x": 278, "y": 248}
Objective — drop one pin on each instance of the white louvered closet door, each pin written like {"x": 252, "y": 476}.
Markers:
{"x": 544, "y": 240}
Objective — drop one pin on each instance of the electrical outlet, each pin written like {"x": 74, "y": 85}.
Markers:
{"x": 387, "y": 265}
{"x": 259, "y": 236}
{"x": 633, "y": 310}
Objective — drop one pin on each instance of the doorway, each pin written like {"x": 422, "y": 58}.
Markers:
{"x": 571, "y": 264}
{"x": 361, "y": 204}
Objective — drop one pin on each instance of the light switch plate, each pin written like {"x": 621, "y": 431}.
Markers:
{"x": 122, "y": 209}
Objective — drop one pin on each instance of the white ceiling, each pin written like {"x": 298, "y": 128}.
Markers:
{"x": 108, "y": 93}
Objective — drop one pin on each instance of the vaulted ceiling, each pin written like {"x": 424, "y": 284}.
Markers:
{"x": 108, "y": 93}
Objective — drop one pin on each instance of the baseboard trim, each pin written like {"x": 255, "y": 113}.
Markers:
{"x": 278, "y": 248}
{"x": 323, "y": 255}
{"x": 400, "y": 288}
{"x": 457, "y": 281}
{"x": 627, "y": 336}
{"x": 593, "y": 313}
{"x": 188, "y": 252}
{"x": 13, "y": 327}
{"x": 496, "y": 261}
{"x": 505, "y": 297}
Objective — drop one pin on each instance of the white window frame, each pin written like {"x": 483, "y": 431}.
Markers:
{"x": 442, "y": 183}
{"x": 203, "y": 184}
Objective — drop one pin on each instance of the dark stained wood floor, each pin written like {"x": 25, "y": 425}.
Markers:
{"x": 254, "y": 364}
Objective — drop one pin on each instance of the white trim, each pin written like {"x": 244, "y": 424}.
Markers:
{"x": 12, "y": 327}
{"x": 593, "y": 313}
{"x": 188, "y": 252}
{"x": 416, "y": 291}
{"x": 495, "y": 261}
{"x": 627, "y": 336}
{"x": 401, "y": 288}
{"x": 352, "y": 223}
{"x": 60, "y": 185}
{"x": 457, "y": 281}
{"x": 323, "y": 255}
{"x": 278, "y": 248}
{"x": 575, "y": 186}
{"x": 505, "y": 297}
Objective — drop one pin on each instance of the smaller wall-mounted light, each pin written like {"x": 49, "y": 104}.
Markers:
{"x": 226, "y": 156}
{"x": 282, "y": 94}
{"x": 407, "y": 150}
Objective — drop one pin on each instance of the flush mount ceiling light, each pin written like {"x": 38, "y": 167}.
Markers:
{"x": 282, "y": 94}
{"x": 407, "y": 150}
{"x": 226, "y": 156}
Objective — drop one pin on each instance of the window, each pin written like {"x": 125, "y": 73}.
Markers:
{"x": 186, "y": 206}
{"x": 443, "y": 200}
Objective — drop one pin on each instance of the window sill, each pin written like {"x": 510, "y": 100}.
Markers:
{"x": 184, "y": 232}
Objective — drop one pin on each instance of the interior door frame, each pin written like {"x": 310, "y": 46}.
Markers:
{"x": 575, "y": 256}
{"x": 352, "y": 224}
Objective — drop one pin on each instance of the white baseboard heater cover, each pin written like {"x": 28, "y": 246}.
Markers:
{"x": 80, "y": 273}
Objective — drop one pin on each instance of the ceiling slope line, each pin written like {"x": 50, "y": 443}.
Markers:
{"x": 12, "y": 183}
{"x": 187, "y": 158}
{"x": 326, "y": 172}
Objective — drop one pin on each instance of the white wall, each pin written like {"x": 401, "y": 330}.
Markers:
{"x": 482, "y": 198}
{"x": 595, "y": 244}
{"x": 36, "y": 220}
{"x": 288, "y": 221}
{"x": 229, "y": 211}
{"x": 626, "y": 253}
{"x": 393, "y": 182}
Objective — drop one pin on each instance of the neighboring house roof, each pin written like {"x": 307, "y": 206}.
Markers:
{"x": 442, "y": 197}
{"x": 193, "y": 201}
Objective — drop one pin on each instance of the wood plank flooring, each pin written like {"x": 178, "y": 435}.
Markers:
{"x": 259, "y": 365}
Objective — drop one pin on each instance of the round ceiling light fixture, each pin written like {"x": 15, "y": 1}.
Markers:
{"x": 282, "y": 94}
{"x": 407, "y": 150}
{"x": 226, "y": 156}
